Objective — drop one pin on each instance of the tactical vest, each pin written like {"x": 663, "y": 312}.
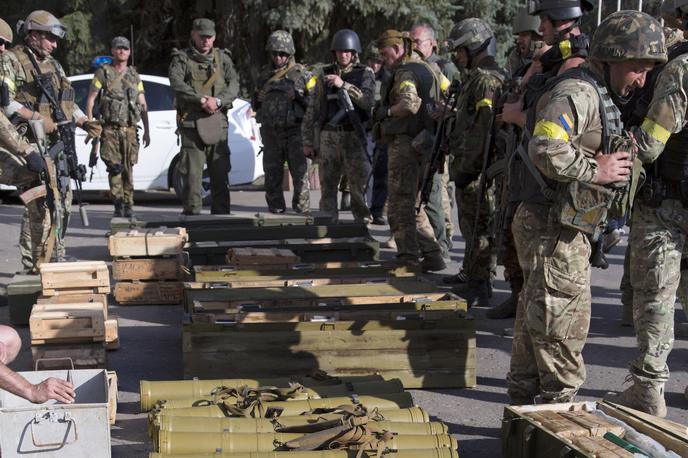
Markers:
{"x": 119, "y": 96}
{"x": 276, "y": 109}
{"x": 198, "y": 72}
{"x": 31, "y": 96}
{"x": 427, "y": 88}
{"x": 529, "y": 189}
{"x": 330, "y": 103}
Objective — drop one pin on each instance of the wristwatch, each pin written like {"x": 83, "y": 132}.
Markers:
{"x": 219, "y": 102}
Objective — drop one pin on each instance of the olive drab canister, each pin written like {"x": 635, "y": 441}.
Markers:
{"x": 430, "y": 453}
{"x": 119, "y": 97}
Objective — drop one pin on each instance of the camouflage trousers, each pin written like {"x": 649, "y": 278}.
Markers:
{"x": 119, "y": 150}
{"x": 553, "y": 313}
{"x": 341, "y": 154}
{"x": 434, "y": 209}
{"x": 280, "y": 145}
{"x": 509, "y": 259}
{"x": 482, "y": 263}
{"x": 657, "y": 241}
{"x": 447, "y": 191}
{"x": 412, "y": 231}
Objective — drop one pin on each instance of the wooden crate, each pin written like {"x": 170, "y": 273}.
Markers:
{"x": 401, "y": 290}
{"x": 153, "y": 242}
{"x": 112, "y": 333}
{"x": 423, "y": 348}
{"x": 58, "y": 356}
{"x": 161, "y": 268}
{"x": 67, "y": 323}
{"x": 261, "y": 256}
{"x": 112, "y": 396}
{"x": 66, "y": 299}
{"x": 148, "y": 293}
{"x": 574, "y": 430}
{"x": 75, "y": 278}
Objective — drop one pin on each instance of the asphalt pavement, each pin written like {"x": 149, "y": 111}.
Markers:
{"x": 151, "y": 335}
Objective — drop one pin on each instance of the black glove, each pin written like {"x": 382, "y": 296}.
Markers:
{"x": 380, "y": 113}
{"x": 463, "y": 179}
{"x": 35, "y": 162}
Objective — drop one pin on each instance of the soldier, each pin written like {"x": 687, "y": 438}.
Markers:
{"x": 528, "y": 38}
{"x": 122, "y": 105}
{"x": 280, "y": 102}
{"x": 42, "y": 32}
{"x": 474, "y": 49}
{"x": 51, "y": 388}
{"x": 573, "y": 117}
{"x": 402, "y": 120}
{"x": 205, "y": 85}
{"x": 342, "y": 146}
{"x": 658, "y": 235}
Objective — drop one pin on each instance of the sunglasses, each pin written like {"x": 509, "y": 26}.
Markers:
{"x": 280, "y": 54}
{"x": 5, "y": 43}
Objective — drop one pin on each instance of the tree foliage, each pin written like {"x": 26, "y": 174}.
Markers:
{"x": 244, "y": 25}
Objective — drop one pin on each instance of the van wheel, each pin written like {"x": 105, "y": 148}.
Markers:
{"x": 178, "y": 182}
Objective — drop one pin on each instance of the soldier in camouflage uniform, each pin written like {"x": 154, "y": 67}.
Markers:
{"x": 280, "y": 102}
{"x": 122, "y": 105}
{"x": 402, "y": 118}
{"x": 205, "y": 85}
{"x": 659, "y": 230}
{"x": 474, "y": 49}
{"x": 340, "y": 150}
{"x": 528, "y": 38}
{"x": 554, "y": 249}
{"x": 42, "y": 32}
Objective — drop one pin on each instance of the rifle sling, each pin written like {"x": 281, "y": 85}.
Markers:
{"x": 216, "y": 63}
{"x": 546, "y": 190}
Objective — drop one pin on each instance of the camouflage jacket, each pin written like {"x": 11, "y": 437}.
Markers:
{"x": 10, "y": 139}
{"x": 362, "y": 97}
{"x": 286, "y": 92}
{"x": 119, "y": 94}
{"x": 9, "y": 70}
{"x": 473, "y": 116}
{"x": 568, "y": 131}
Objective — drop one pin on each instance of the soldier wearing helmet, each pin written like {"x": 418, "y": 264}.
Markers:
{"x": 657, "y": 239}
{"x": 41, "y": 32}
{"x": 280, "y": 101}
{"x": 331, "y": 132}
{"x": 528, "y": 38}
{"x": 473, "y": 45}
{"x": 578, "y": 151}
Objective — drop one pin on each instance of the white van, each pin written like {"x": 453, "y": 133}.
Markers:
{"x": 156, "y": 169}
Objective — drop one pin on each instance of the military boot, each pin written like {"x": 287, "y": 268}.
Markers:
{"x": 645, "y": 396}
{"x": 506, "y": 309}
{"x": 118, "y": 209}
{"x": 409, "y": 261}
{"x": 128, "y": 211}
{"x": 345, "y": 204}
{"x": 460, "y": 278}
{"x": 476, "y": 293}
{"x": 433, "y": 262}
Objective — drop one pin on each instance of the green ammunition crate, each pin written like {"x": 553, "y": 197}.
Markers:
{"x": 308, "y": 250}
{"x": 307, "y": 231}
{"x": 22, "y": 293}
{"x": 556, "y": 430}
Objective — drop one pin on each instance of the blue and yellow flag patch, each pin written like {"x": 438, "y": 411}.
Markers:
{"x": 566, "y": 122}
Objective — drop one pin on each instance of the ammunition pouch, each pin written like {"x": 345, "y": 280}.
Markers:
{"x": 584, "y": 207}
{"x": 653, "y": 191}
{"x": 212, "y": 129}
{"x": 422, "y": 143}
{"x": 4, "y": 94}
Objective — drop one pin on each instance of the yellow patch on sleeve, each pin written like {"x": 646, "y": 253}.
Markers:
{"x": 10, "y": 84}
{"x": 96, "y": 83}
{"x": 405, "y": 84}
{"x": 656, "y": 131}
{"x": 550, "y": 130}
{"x": 311, "y": 83}
{"x": 139, "y": 87}
{"x": 444, "y": 83}
{"x": 483, "y": 103}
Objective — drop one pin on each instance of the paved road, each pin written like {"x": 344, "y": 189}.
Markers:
{"x": 151, "y": 338}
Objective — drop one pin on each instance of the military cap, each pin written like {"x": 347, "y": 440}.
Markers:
{"x": 629, "y": 35}
{"x": 204, "y": 26}
{"x": 390, "y": 37}
{"x": 120, "y": 42}
{"x": 6, "y": 31}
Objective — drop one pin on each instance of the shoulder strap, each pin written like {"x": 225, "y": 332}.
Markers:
{"x": 216, "y": 62}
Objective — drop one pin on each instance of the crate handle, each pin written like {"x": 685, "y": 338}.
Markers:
{"x": 51, "y": 417}
{"x": 66, "y": 358}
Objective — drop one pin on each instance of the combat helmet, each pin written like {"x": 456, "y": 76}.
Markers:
{"x": 372, "y": 52}
{"x": 524, "y": 22}
{"x": 474, "y": 35}
{"x": 346, "y": 40}
{"x": 6, "y": 31}
{"x": 42, "y": 21}
{"x": 629, "y": 35}
{"x": 560, "y": 10}
{"x": 280, "y": 41}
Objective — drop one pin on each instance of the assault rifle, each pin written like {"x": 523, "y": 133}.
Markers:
{"x": 65, "y": 158}
{"x": 347, "y": 109}
{"x": 438, "y": 152}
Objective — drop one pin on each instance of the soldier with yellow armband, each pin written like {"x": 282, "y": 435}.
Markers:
{"x": 404, "y": 122}
{"x": 122, "y": 105}
{"x": 280, "y": 101}
{"x": 576, "y": 155}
